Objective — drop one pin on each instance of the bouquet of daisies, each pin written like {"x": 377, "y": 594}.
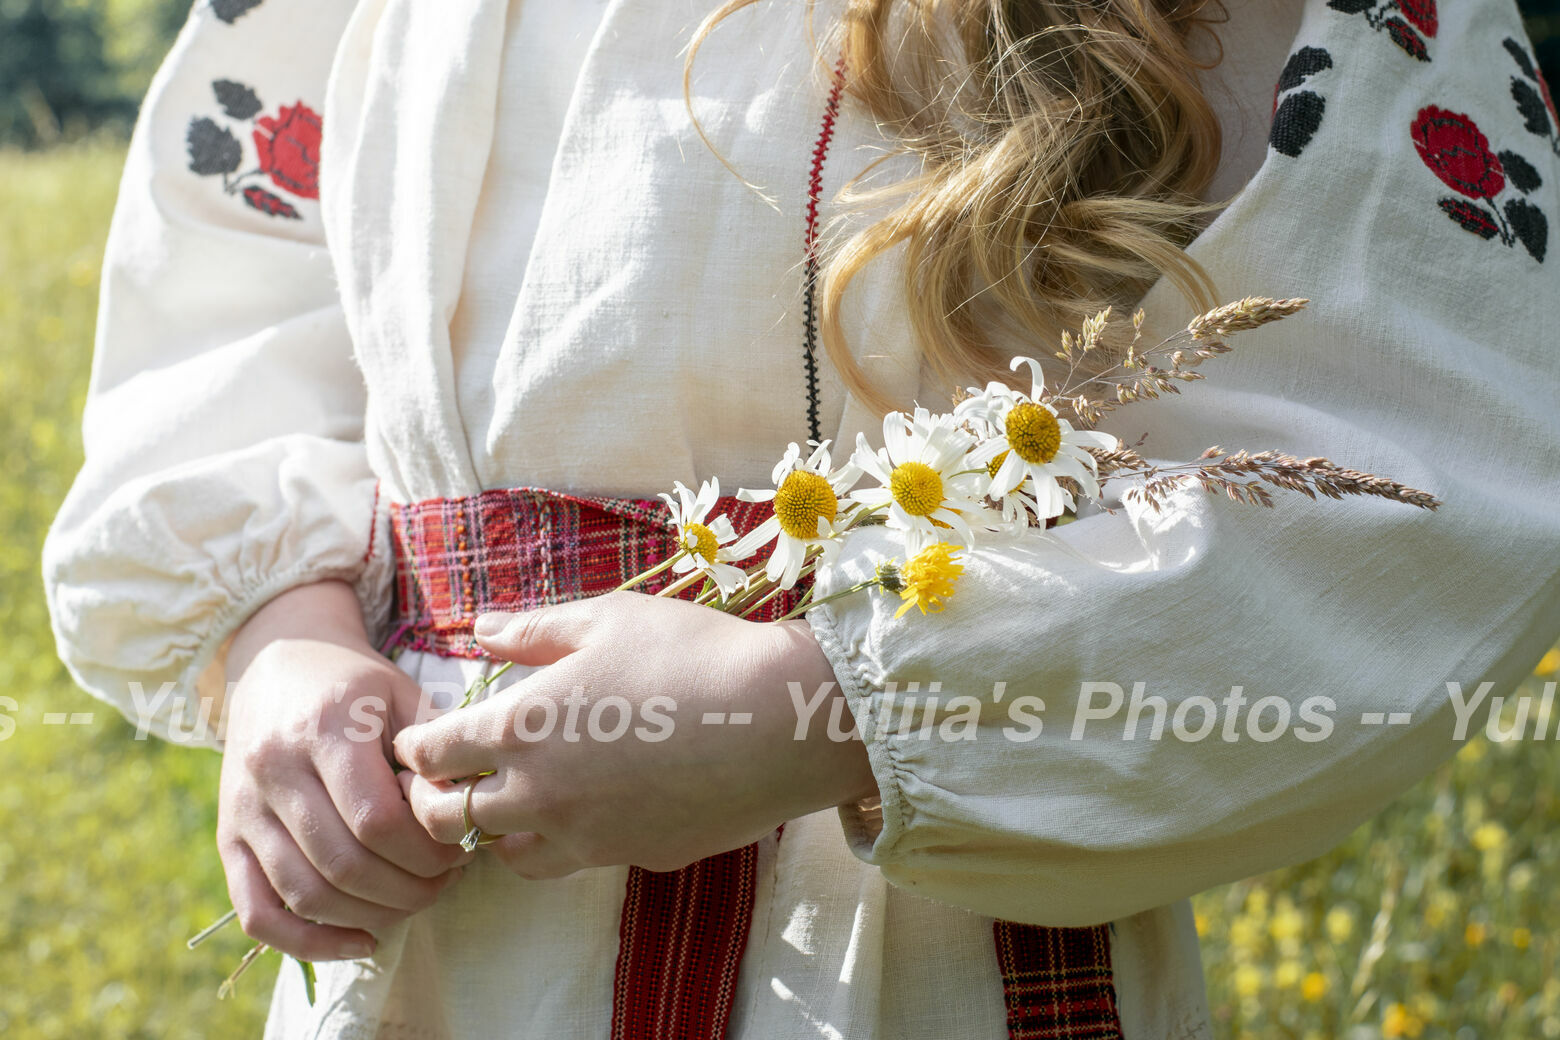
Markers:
{"x": 999, "y": 462}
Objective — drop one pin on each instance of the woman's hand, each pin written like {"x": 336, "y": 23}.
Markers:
{"x": 573, "y": 786}
{"x": 317, "y": 841}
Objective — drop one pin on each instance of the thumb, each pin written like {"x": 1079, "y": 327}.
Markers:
{"x": 537, "y": 637}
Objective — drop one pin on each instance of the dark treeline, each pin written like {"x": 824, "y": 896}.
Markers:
{"x": 72, "y": 67}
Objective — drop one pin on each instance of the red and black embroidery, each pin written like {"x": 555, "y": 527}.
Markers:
{"x": 1531, "y": 93}
{"x": 1407, "y": 22}
{"x": 1456, "y": 150}
{"x": 287, "y": 150}
{"x": 230, "y": 11}
{"x": 1297, "y": 118}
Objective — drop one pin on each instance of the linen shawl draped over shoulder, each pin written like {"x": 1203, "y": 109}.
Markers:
{"x": 287, "y": 346}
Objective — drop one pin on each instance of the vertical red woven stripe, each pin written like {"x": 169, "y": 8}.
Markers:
{"x": 1057, "y": 982}
{"x": 680, "y": 947}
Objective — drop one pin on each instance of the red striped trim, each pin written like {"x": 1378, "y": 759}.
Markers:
{"x": 1057, "y": 982}
{"x": 680, "y": 947}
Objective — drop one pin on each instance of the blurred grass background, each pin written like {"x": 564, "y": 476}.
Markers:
{"x": 1438, "y": 919}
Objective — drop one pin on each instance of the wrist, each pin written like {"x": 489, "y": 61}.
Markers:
{"x": 323, "y": 611}
{"x": 841, "y": 770}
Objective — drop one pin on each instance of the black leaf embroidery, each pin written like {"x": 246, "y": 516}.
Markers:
{"x": 1535, "y": 117}
{"x": 1406, "y": 38}
{"x": 212, "y": 149}
{"x": 1530, "y": 226}
{"x": 237, "y": 100}
{"x": 1519, "y": 171}
{"x": 1470, "y": 217}
{"x": 1296, "y": 121}
{"x": 230, "y": 11}
{"x": 1307, "y": 61}
{"x": 1351, "y": 6}
{"x": 1516, "y": 51}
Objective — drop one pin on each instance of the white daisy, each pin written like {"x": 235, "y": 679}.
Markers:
{"x": 704, "y": 542}
{"x": 807, "y": 506}
{"x": 1030, "y": 447}
{"x": 924, "y": 487}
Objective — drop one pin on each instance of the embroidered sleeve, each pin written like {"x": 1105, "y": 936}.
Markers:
{"x": 1140, "y": 705}
{"x": 223, "y": 429}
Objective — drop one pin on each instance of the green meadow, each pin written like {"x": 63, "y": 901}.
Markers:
{"x": 1437, "y": 919}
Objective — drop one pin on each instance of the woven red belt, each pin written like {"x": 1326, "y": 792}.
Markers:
{"x": 682, "y": 933}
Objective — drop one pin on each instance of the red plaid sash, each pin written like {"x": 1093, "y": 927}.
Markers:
{"x": 683, "y": 933}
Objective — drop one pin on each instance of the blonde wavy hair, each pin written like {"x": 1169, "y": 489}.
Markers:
{"x": 1062, "y": 146}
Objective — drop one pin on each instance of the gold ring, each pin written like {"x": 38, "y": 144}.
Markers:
{"x": 474, "y": 834}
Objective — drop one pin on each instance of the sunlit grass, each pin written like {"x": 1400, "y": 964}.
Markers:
{"x": 1435, "y": 920}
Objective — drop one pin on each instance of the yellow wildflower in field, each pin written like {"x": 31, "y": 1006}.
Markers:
{"x": 1288, "y": 974}
{"x": 1287, "y": 923}
{"x": 1400, "y": 1021}
{"x": 1339, "y": 924}
{"x": 1489, "y": 836}
{"x": 1475, "y": 934}
{"x": 1521, "y": 938}
{"x": 1248, "y": 980}
{"x": 1313, "y": 987}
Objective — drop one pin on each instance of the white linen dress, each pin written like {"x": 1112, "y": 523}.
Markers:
{"x": 518, "y": 266}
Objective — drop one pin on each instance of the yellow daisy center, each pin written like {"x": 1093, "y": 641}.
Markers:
{"x": 928, "y": 578}
{"x": 1034, "y": 433}
{"x": 802, "y": 498}
{"x": 917, "y": 487}
{"x": 701, "y": 542}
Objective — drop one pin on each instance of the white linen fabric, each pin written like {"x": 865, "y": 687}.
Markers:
{"x": 523, "y": 268}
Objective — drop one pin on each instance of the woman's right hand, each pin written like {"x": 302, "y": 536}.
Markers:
{"x": 319, "y": 844}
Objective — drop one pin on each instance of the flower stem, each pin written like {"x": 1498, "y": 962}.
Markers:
{"x": 809, "y": 603}
{"x": 652, "y": 572}
{"x": 483, "y": 682}
{"x": 680, "y": 584}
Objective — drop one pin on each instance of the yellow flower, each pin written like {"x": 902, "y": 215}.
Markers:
{"x": 1200, "y": 919}
{"x": 1287, "y": 974}
{"x": 1248, "y": 980}
{"x": 1286, "y": 924}
{"x": 928, "y": 578}
{"x": 1313, "y": 987}
{"x": 1399, "y": 1021}
{"x": 1474, "y": 935}
{"x": 1521, "y": 938}
{"x": 1550, "y": 663}
{"x": 1489, "y": 836}
{"x": 1340, "y": 924}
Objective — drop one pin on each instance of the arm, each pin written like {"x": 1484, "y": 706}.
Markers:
{"x": 223, "y": 532}
{"x": 223, "y": 426}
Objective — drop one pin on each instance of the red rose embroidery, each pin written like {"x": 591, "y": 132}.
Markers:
{"x": 1421, "y": 13}
{"x": 1457, "y": 152}
{"x": 289, "y": 149}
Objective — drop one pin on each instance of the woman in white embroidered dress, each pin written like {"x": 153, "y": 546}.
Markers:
{"x": 518, "y": 265}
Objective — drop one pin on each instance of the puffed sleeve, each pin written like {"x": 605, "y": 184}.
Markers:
{"x": 1330, "y": 643}
{"x": 224, "y": 421}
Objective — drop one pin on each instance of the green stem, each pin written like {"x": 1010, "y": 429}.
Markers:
{"x": 483, "y": 682}
{"x": 652, "y": 572}
{"x": 776, "y": 591}
{"x": 680, "y": 584}
{"x": 808, "y": 604}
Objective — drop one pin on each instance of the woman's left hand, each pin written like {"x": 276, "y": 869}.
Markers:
{"x": 604, "y": 757}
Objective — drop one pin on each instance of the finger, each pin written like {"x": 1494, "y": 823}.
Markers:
{"x": 305, "y": 891}
{"x": 363, "y": 789}
{"x": 266, "y": 919}
{"x": 311, "y": 817}
{"x": 462, "y": 743}
{"x": 441, "y": 807}
{"x": 537, "y": 637}
{"x": 535, "y": 858}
